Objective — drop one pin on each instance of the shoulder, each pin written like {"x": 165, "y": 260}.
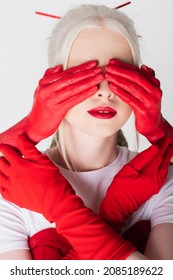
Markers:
{"x": 8, "y": 209}
{"x": 12, "y": 227}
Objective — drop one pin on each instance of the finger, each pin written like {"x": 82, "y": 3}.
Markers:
{"x": 148, "y": 69}
{"x": 78, "y": 98}
{"x": 133, "y": 102}
{"x": 3, "y": 181}
{"x": 150, "y": 75}
{"x": 135, "y": 77}
{"x": 81, "y": 67}
{"x": 81, "y": 86}
{"x": 74, "y": 89}
{"x": 125, "y": 96}
{"x": 65, "y": 79}
{"x": 11, "y": 154}
{"x": 77, "y": 68}
{"x": 145, "y": 70}
{"x": 4, "y": 165}
{"x": 135, "y": 89}
{"x": 27, "y": 148}
{"x": 144, "y": 158}
{"x": 56, "y": 69}
{"x": 121, "y": 63}
{"x": 149, "y": 72}
{"x": 163, "y": 146}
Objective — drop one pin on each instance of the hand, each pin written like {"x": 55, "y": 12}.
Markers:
{"x": 57, "y": 92}
{"x": 135, "y": 183}
{"x": 139, "y": 88}
{"x": 35, "y": 183}
{"x": 47, "y": 244}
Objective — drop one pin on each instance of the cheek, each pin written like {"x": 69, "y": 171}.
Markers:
{"x": 76, "y": 114}
{"x": 127, "y": 112}
{"x": 123, "y": 109}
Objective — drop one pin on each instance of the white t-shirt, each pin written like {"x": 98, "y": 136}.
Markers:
{"x": 17, "y": 224}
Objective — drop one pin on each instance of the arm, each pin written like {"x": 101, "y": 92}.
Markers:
{"x": 160, "y": 242}
{"x": 136, "y": 182}
{"x": 9, "y": 136}
{"x": 16, "y": 255}
{"x": 87, "y": 233}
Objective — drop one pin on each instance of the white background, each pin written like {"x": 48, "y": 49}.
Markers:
{"x": 23, "y": 49}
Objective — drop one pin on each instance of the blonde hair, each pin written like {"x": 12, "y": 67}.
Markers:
{"x": 66, "y": 31}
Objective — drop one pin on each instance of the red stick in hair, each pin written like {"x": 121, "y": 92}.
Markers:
{"x": 121, "y": 6}
{"x": 58, "y": 17}
{"x": 47, "y": 15}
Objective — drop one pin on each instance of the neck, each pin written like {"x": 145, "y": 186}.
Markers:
{"x": 86, "y": 152}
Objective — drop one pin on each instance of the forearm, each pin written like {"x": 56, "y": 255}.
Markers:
{"x": 89, "y": 235}
{"x": 20, "y": 254}
{"x": 9, "y": 136}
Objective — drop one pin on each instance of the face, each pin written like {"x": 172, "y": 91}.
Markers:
{"x": 99, "y": 44}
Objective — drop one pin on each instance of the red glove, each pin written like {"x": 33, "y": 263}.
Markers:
{"x": 135, "y": 183}
{"x": 57, "y": 92}
{"x": 47, "y": 244}
{"x": 141, "y": 90}
{"x": 35, "y": 183}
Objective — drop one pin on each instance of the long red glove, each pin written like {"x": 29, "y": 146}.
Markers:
{"x": 57, "y": 92}
{"x": 135, "y": 183}
{"x": 35, "y": 183}
{"x": 141, "y": 90}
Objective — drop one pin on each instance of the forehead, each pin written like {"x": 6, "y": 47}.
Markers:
{"x": 100, "y": 43}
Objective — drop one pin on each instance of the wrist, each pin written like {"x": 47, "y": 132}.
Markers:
{"x": 29, "y": 131}
{"x": 164, "y": 130}
{"x": 9, "y": 136}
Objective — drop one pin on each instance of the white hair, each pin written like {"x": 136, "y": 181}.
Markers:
{"x": 66, "y": 31}
{"x": 87, "y": 16}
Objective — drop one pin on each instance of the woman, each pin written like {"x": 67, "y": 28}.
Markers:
{"x": 89, "y": 103}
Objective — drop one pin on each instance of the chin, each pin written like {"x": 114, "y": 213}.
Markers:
{"x": 100, "y": 133}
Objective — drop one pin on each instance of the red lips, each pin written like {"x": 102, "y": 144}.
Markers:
{"x": 102, "y": 112}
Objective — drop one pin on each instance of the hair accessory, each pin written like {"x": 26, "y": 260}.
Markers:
{"x": 123, "y": 5}
{"x": 58, "y": 17}
{"x": 47, "y": 15}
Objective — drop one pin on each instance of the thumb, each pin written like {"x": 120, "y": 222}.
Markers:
{"x": 144, "y": 158}
{"x": 27, "y": 148}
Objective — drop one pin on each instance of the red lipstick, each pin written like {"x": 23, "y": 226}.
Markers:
{"x": 102, "y": 112}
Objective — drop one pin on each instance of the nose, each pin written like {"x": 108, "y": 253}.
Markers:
{"x": 104, "y": 91}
